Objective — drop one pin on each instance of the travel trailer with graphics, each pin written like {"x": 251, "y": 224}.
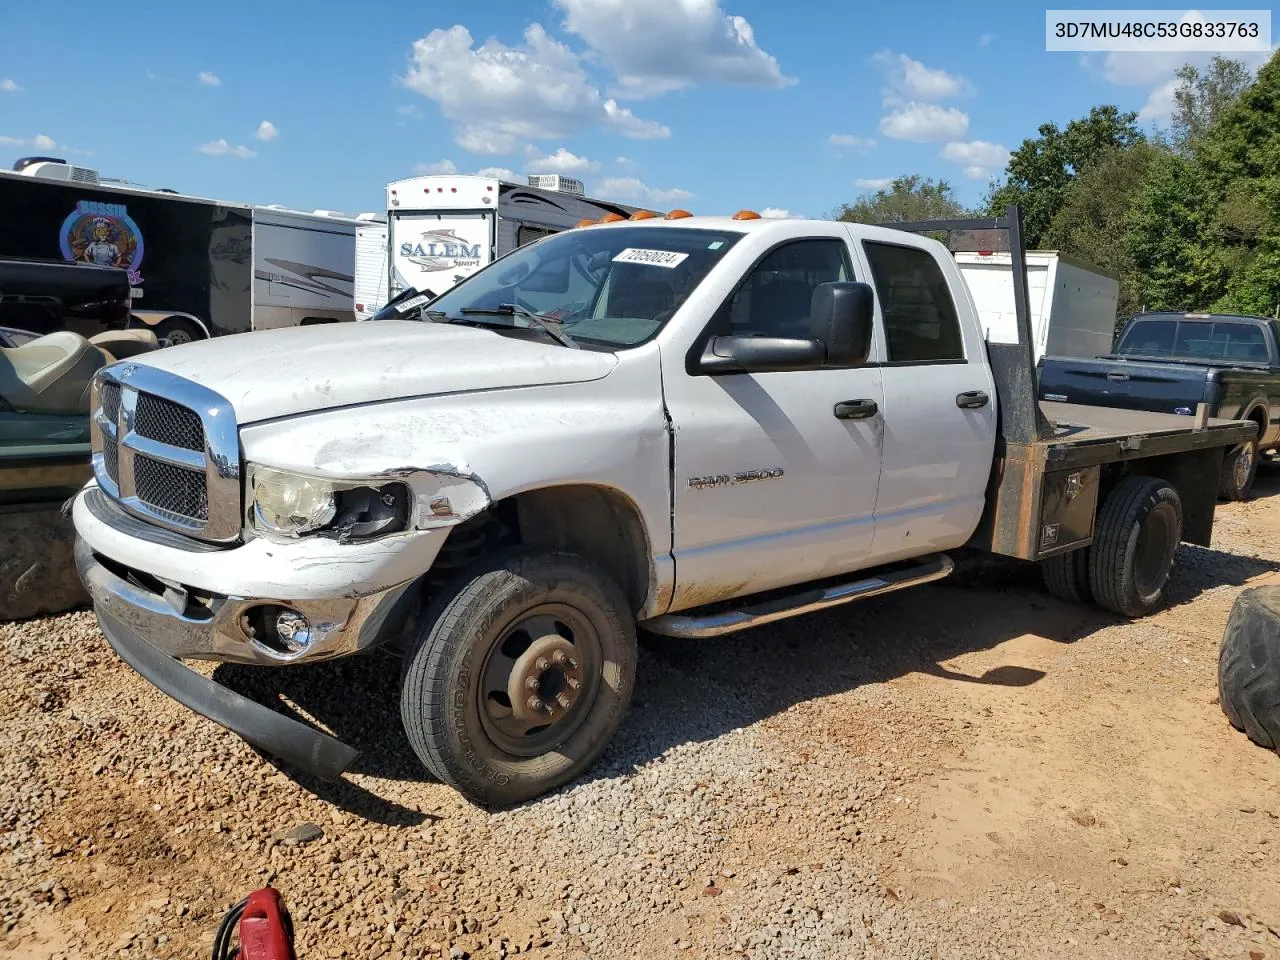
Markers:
{"x": 197, "y": 267}
{"x": 442, "y": 229}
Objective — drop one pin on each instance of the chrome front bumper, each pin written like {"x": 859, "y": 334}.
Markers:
{"x": 211, "y": 627}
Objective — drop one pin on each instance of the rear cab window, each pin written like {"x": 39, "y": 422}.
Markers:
{"x": 921, "y": 324}
{"x": 1184, "y": 339}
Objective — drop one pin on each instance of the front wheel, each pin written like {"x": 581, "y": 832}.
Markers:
{"x": 520, "y": 676}
{"x": 1239, "y": 467}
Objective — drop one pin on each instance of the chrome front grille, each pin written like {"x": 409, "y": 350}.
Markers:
{"x": 168, "y": 450}
{"x": 171, "y": 489}
{"x": 169, "y": 422}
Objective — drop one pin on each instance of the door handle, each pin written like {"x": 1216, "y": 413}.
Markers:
{"x": 856, "y": 409}
{"x": 971, "y": 400}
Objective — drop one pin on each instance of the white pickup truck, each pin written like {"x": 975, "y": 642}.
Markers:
{"x": 686, "y": 425}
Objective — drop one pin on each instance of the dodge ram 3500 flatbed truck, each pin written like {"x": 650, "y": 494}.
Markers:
{"x": 688, "y": 425}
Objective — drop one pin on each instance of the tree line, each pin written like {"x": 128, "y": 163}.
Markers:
{"x": 1187, "y": 218}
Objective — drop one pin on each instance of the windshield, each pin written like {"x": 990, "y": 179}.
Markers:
{"x": 613, "y": 288}
{"x": 1195, "y": 340}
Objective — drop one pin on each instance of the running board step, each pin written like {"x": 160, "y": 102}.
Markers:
{"x": 694, "y": 626}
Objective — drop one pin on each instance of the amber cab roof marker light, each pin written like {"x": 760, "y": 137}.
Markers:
{"x": 584, "y": 223}
{"x": 746, "y": 215}
{"x": 677, "y": 214}
{"x": 643, "y": 215}
{"x": 612, "y": 218}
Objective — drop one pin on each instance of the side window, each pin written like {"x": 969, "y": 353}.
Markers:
{"x": 526, "y": 234}
{"x": 920, "y": 322}
{"x": 773, "y": 301}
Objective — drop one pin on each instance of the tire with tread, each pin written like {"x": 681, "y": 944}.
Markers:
{"x": 439, "y": 702}
{"x": 1127, "y": 573}
{"x": 1066, "y": 576}
{"x": 1249, "y": 666}
{"x": 178, "y": 330}
{"x": 1232, "y": 486}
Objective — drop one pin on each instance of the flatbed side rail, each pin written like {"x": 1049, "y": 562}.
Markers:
{"x": 1020, "y": 419}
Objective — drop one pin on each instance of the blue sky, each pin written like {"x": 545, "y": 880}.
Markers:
{"x": 709, "y": 104}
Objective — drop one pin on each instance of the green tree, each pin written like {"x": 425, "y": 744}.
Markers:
{"x": 1168, "y": 225}
{"x": 1202, "y": 97}
{"x": 1093, "y": 221}
{"x": 1042, "y": 168}
{"x": 906, "y": 198}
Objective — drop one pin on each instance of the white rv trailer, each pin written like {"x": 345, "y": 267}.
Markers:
{"x": 371, "y": 264}
{"x": 442, "y": 229}
{"x": 1073, "y": 303}
{"x": 303, "y": 267}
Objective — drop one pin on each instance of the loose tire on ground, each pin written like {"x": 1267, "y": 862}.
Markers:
{"x": 1249, "y": 666}
{"x": 1135, "y": 539}
{"x": 482, "y": 630}
{"x": 177, "y": 330}
{"x": 1066, "y": 576}
{"x": 1239, "y": 468}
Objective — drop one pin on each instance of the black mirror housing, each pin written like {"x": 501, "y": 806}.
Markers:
{"x": 760, "y": 355}
{"x": 841, "y": 316}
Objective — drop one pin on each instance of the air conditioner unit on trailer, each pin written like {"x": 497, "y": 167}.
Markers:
{"x": 558, "y": 183}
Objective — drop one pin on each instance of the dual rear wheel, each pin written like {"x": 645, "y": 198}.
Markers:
{"x": 1126, "y": 568}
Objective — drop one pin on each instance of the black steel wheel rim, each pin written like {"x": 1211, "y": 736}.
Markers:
{"x": 506, "y": 730}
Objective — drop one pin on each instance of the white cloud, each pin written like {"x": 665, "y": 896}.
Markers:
{"x": 777, "y": 213}
{"x": 654, "y": 48}
{"x": 1160, "y": 103}
{"x": 849, "y": 141}
{"x": 9, "y": 86}
{"x": 562, "y": 161}
{"x": 925, "y": 123}
{"x": 267, "y": 131}
{"x": 872, "y": 183}
{"x": 978, "y": 157}
{"x": 209, "y": 79}
{"x": 39, "y": 141}
{"x": 910, "y": 80}
{"x": 408, "y": 110}
{"x": 634, "y": 191}
{"x": 500, "y": 173}
{"x": 985, "y": 39}
{"x": 440, "y": 166}
{"x": 501, "y": 96}
{"x": 221, "y": 148}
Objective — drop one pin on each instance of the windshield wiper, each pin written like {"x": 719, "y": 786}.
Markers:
{"x": 548, "y": 325}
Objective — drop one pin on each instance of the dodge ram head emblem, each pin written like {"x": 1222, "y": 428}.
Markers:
{"x": 126, "y": 371}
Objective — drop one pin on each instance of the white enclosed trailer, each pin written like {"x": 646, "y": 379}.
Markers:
{"x": 1073, "y": 303}
{"x": 442, "y": 229}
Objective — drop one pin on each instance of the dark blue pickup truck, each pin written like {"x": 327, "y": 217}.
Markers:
{"x": 1171, "y": 362}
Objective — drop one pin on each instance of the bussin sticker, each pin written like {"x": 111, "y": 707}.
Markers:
{"x": 654, "y": 258}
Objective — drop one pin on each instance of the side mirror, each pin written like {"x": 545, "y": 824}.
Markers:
{"x": 840, "y": 315}
{"x": 760, "y": 355}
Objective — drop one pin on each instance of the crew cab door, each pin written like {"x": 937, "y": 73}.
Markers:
{"x": 774, "y": 480}
{"x": 939, "y": 405}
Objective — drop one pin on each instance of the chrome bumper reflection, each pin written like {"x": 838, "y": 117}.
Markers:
{"x": 214, "y": 628}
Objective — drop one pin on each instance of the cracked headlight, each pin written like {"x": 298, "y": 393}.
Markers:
{"x": 287, "y": 504}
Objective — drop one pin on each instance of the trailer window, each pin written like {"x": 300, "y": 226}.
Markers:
{"x": 527, "y": 234}
{"x": 920, "y": 322}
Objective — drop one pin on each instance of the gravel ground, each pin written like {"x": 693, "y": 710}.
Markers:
{"x": 967, "y": 770}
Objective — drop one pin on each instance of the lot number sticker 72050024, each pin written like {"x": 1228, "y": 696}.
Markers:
{"x": 654, "y": 258}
